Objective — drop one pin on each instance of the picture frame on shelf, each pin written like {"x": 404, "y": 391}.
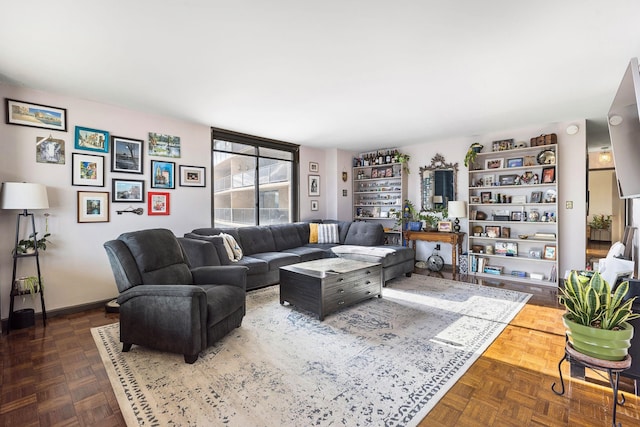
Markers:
{"x": 87, "y": 170}
{"x": 493, "y": 163}
{"x": 91, "y": 139}
{"x": 127, "y": 190}
{"x": 163, "y": 174}
{"x": 36, "y": 115}
{"x": 126, "y": 155}
{"x": 549, "y": 175}
{"x": 445, "y": 226}
{"x": 515, "y": 162}
{"x": 529, "y": 161}
{"x": 535, "y": 253}
{"x": 492, "y": 230}
{"x": 508, "y": 179}
{"x": 374, "y": 173}
{"x": 485, "y": 196}
{"x": 519, "y": 199}
{"x": 474, "y": 199}
{"x": 93, "y": 206}
{"x": 516, "y": 216}
{"x": 536, "y": 197}
{"x": 193, "y": 176}
{"x": 505, "y": 233}
{"x": 158, "y": 203}
{"x": 549, "y": 252}
{"x": 488, "y": 180}
{"x": 314, "y": 185}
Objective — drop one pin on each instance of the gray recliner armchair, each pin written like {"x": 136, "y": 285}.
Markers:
{"x": 166, "y": 304}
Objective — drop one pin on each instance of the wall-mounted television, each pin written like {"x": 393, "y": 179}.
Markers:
{"x": 624, "y": 130}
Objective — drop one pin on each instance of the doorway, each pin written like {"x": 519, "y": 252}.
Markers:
{"x": 603, "y": 200}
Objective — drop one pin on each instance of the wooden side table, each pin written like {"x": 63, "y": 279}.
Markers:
{"x": 613, "y": 369}
{"x": 454, "y": 239}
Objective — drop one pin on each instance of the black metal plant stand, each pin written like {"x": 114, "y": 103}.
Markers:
{"x": 613, "y": 369}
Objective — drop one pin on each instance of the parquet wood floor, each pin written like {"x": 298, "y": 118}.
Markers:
{"x": 53, "y": 376}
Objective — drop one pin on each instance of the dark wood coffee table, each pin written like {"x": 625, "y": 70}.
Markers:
{"x": 326, "y": 285}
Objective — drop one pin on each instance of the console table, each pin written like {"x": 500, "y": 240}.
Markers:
{"x": 454, "y": 239}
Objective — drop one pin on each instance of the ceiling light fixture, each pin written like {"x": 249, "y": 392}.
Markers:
{"x": 605, "y": 156}
{"x": 572, "y": 129}
{"x": 615, "y": 120}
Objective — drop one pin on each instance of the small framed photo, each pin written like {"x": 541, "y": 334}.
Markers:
{"x": 474, "y": 199}
{"x": 127, "y": 190}
{"x": 50, "y": 150}
{"x": 549, "y": 252}
{"x": 92, "y": 139}
{"x": 529, "y": 161}
{"x": 519, "y": 199}
{"x": 314, "y": 205}
{"x": 516, "y": 162}
{"x": 314, "y": 185}
{"x": 485, "y": 196}
{"x": 493, "y": 163}
{"x": 126, "y": 155}
{"x": 36, "y": 115}
{"x": 163, "y": 174}
{"x": 548, "y": 175}
{"x": 164, "y": 145}
{"x": 445, "y": 226}
{"x": 516, "y": 216}
{"x": 87, "y": 170}
{"x": 389, "y": 173}
{"x": 158, "y": 203}
{"x": 192, "y": 176}
{"x": 508, "y": 179}
{"x": 374, "y": 173}
{"x": 535, "y": 253}
{"x": 314, "y": 167}
{"x": 487, "y": 180}
{"x": 492, "y": 230}
{"x": 506, "y": 233}
{"x": 536, "y": 197}
{"x": 93, "y": 206}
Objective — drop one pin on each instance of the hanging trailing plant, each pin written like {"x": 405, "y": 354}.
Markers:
{"x": 472, "y": 153}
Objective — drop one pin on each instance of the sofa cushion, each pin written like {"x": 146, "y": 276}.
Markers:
{"x": 365, "y": 234}
{"x": 256, "y": 239}
{"x": 255, "y": 265}
{"x": 286, "y": 236}
{"x": 277, "y": 259}
{"x": 303, "y": 231}
{"x": 328, "y": 233}
{"x": 222, "y": 301}
{"x": 308, "y": 253}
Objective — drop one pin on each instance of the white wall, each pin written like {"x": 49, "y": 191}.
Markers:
{"x": 571, "y": 175}
{"x": 75, "y": 266}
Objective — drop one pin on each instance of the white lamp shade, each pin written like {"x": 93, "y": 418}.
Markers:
{"x": 457, "y": 209}
{"x": 23, "y": 195}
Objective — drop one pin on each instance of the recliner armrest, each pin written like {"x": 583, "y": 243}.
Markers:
{"x": 235, "y": 275}
{"x": 178, "y": 291}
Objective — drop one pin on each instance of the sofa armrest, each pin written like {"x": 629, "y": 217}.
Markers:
{"x": 229, "y": 275}
{"x": 172, "y": 291}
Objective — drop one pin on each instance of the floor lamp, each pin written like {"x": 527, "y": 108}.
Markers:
{"x": 24, "y": 196}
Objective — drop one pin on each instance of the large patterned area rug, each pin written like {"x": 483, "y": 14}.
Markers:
{"x": 386, "y": 361}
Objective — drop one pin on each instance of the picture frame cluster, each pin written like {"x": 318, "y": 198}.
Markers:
{"x": 94, "y": 148}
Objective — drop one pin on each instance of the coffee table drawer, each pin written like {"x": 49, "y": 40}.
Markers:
{"x": 357, "y": 293}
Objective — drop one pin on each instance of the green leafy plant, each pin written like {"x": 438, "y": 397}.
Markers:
{"x": 29, "y": 284}
{"x": 404, "y": 160}
{"x": 472, "y": 153}
{"x": 600, "y": 222}
{"x": 589, "y": 301}
{"x": 29, "y": 245}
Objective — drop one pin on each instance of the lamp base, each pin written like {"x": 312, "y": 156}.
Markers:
{"x": 456, "y": 225}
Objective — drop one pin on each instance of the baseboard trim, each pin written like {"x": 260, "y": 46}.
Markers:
{"x": 61, "y": 312}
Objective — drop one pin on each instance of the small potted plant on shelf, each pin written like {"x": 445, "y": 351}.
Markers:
{"x": 27, "y": 285}
{"x": 410, "y": 219}
{"x": 472, "y": 153}
{"x": 28, "y": 246}
{"x": 596, "y": 319}
{"x": 404, "y": 160}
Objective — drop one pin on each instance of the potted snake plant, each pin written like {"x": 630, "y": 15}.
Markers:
{"x": 596, "y": 319}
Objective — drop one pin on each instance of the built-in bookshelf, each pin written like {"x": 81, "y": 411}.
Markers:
{"x": 379, "y": 189}
{"x": 513, "y": 212}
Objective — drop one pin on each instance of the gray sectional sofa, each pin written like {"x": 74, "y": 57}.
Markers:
{"x": 267, "y": 248}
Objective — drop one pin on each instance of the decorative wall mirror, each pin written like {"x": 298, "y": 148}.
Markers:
{"x": 438, "y": 183}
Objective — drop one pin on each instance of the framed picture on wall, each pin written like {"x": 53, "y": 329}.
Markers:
{"x": 314, "y": 205}
{"x": 192, "y": 176}
{"x": 126, "y": 155}
{"x": 164, "y": 145}
{"x": 127, "y": 190}
{"x": 93, "y": 206}
{"x": 92, "y": 139}
{"x": 36, "y": 115}
{"x": 158, "y": 203}
{"x": 50, "y": 150}
{"x": 314, "y": 185}
{"x": 314, "y": 167}
{"x": 87, "y": 170}
{"x": 163, "y": 174}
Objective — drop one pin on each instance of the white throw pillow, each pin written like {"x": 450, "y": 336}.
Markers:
{"x": 328, "y": 233}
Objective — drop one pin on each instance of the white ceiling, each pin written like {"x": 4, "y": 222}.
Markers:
{"x": 353, "y": 74}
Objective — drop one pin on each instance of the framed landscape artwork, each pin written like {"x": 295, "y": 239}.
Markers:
{"x": 36, "y": 115}
{"x": 87, "y": 170}
{"x": 158, "y": 203}
{"x": 163, "y": 174}
{"x": 127, "y": 190}
{"x": 93, "y": 206}
{"x": 164, "y": 145}
{"x": 126, "y": 155}
{"x": 92, "y": 139}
